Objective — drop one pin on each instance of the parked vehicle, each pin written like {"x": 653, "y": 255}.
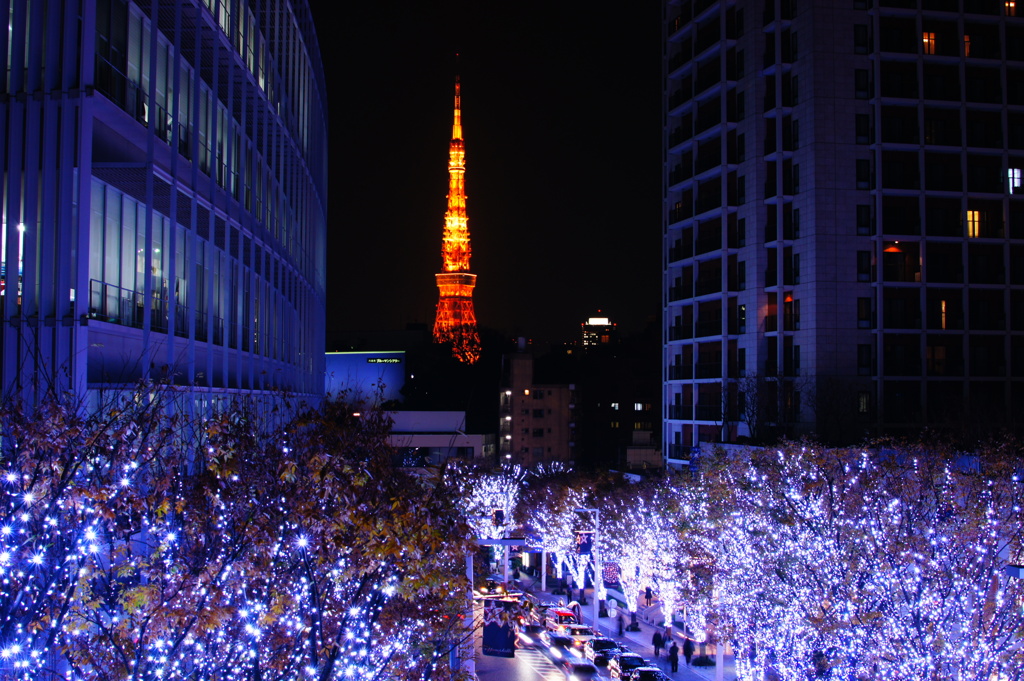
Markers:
{"x": 622, "y": 666}
{"x": 648, "y": 674}
{"x": 596, "y": 650}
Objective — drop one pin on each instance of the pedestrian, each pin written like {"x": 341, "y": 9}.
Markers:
{"x": 648, "y": 594}
{"x": 657, "y": 641}
{"x": 688, "y": 649}
{"x": 673, "y": 657}
{"x": 622, "y": 625}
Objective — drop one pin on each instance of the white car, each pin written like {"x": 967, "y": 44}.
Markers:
{"x": 580, "y": 634}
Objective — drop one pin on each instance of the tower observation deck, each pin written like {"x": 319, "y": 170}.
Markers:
{"x": 455, "y": 322}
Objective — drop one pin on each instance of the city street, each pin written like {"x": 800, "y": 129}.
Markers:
{"x": 535, "y": 664}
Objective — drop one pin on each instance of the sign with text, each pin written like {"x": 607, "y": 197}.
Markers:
{"x": 499, "y": 634}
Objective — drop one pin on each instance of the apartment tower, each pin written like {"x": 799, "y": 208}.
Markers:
{"x": 843, "y": 218}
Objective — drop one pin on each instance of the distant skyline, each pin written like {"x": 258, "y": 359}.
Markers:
{"x": 561, "y": 114}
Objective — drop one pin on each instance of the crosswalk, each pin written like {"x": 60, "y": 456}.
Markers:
{"x": 540, "y": 663}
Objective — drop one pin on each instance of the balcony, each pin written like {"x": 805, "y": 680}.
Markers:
{"x": 680, "y": 411}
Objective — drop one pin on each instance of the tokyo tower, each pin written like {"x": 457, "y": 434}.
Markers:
{"x": 455, "y": 322}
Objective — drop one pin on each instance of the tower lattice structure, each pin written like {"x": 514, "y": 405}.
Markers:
{"x": 455, "y": 322}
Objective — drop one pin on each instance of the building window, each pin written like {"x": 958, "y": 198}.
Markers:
{"x": 638, "y": 406}
{"x": 973, "y": 224}
{"x": 863, "y": 128}
{"x": 863, "y": 265}
{"x": 864, "y": 359}
{"x": 796, "y": 134}
{"x": 741, "y": 321}
{"x": 795, "y": 90}
{"x": 860, "y": 38}
{"x": 790, "y": 314}
{"x": 967, "y": 45}
{"x": 864, "y": 402}
{"x": 929, "y": 42}
{"x": 615, "y": 406}
{"x": 538, "y": 432}
{"x": 860, "y": 83}
{"x": 741, "y": 190}
{"x": 796, "y": 178}
{"x": 1010, "y": 7}
{"x": 741, "y": 106}
{"x": 741, "y": 148}
{"x": 741, "y": 276}
{"x": 741, "y": 231}
{"x": 864, "y": 313}
{"x": 864, "y": 220}
{"x": 863, "y": 174}
{"x": 1013, "y": 180}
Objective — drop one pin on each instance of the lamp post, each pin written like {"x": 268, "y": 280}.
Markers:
{"x": 598, "y": 577}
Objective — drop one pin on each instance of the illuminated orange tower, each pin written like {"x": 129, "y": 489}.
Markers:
{"x": 455, "y": 322}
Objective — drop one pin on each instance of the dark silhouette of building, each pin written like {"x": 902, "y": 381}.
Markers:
{"x": 844, "y": 218}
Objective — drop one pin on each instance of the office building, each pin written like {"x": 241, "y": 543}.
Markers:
{"x": 164, "y": 198}
{"x": 843, "y": 218}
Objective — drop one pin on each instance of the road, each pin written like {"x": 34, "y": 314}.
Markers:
{"x": 527, "y": 665}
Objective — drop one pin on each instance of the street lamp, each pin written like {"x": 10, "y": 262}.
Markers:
{"x": 598, "y": 576}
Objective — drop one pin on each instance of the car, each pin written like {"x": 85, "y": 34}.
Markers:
{"x": 529, "y": 635}
{"x": 580, "y": 634}
{"x": 596, "y": 650}
{"x": 622, "y": 666}
{"x": 648, "y": 674}
{"x": 537, "y": 608}
{"x": 490, "y": 587}
{"x": 557, "y": 618}
{"x": 555, "y": 640}
{"x": 578, "y": 670}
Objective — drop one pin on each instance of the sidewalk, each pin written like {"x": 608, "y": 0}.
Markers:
{"x": 637, "y": 641}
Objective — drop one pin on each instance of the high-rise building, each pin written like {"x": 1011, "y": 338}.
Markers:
{"x": 597, "y": 331}
{"x": 163, "y": 198}
{"x": 844, "y": 217}
{"x": 455, "y": 322}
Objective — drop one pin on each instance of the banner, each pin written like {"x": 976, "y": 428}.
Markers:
{"x": 499, "y": 634}
{"x": 584, "y": 543}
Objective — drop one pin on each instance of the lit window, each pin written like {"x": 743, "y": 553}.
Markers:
{"x": 942, "y": 313}
{"x": 615, "y": 406}
{"x": 1013, "y": 180}
{"x": 1011, "y": 8}
{"x": 973, "y": 224}
{"x": 863, "y": 402}
{"x": 967, "y": 45}
{"x": 929, "y": 42}
{"x": 638, "y": 406}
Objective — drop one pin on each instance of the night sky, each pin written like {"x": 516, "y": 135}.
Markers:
{"x": 561, "y": 116}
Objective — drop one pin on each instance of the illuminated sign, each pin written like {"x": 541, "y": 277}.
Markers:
{"x": 383, "y": 360}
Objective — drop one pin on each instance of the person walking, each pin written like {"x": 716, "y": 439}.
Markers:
{"x": 673, "y": 657}
{"x": 657, "y": 641}
{"x": 688, "y": 649}
{"x": 648, "y": 594}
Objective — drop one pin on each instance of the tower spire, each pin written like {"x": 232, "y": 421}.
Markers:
{"x": 455, "y": 322}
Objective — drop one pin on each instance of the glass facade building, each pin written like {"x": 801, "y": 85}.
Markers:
{"x": 843, "y": 218}
{"x": 163, "y": 197}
